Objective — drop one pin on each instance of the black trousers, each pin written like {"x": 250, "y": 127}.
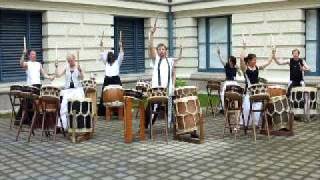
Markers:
{"x": 113, "y": 80}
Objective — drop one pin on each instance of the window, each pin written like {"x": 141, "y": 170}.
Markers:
{"x": 213, "y": 32}
{"x": 312, "y": 40}
{"x": 14, "y": 25}
{"x": 133, "y": 38}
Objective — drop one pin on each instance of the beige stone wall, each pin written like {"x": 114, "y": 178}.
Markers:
{"x": 186, "y": 34}
{"x": 75, "y": 31}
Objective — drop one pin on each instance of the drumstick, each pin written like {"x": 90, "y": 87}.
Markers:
{"x": 56, "y": 62}
{"x": 78, "y": 58}
{"x": 156, "y": 20}
{"x": 101, "y": 41}
{"x": 120, "y": 36}
{"x": 24, "y": 43}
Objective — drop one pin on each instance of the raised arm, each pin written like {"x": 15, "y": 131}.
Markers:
{"x": 23, "y": 64}
{"x": 121, "y": 53}
{"x": 57, "y": 73}
{"x": 238, "y": 70}
{"x": 220, "y": 57}
{"x": 279, "y": 62}
{"x": 81, "y": 72}
{"x": 243, "y": 65}
{"x": 152, "y": 49}
{"x": 180, "y": 55}
{"x": 265, "y": 64}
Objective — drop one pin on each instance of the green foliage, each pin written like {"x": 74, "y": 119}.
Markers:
{"x": 180, "y": 82}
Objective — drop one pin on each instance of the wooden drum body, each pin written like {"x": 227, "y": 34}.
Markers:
{"x": 258, "y": 89}
{"x": 276, "y": 91}
{"x": 303, "y": 100}
{"x": 80, "y": 114}
{"x": 279, "y": 111}
{"x": 187, "y": 110}
{"x": 90, "y": 91}
{"x": 50, "y": 98}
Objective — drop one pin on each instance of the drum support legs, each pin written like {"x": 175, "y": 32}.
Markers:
{"x": 13, "y": 118}
{"x": 263, "y": 115}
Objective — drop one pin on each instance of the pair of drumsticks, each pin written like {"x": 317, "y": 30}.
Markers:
{"x": 101, "y": 41}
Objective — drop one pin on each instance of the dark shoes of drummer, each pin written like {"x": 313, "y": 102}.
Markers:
{"x": 194, "y": 135}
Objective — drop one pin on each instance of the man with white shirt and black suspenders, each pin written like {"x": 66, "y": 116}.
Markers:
{"x": 163, "y": 75}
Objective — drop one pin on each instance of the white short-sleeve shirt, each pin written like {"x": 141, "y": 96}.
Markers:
{"x": 33, "y": 72}
{"x": 114, "y": 69}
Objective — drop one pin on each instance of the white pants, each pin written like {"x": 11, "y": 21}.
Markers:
{"x": 73, "y": 93}
{"x": 223, "y": 89}
{"x": 255, "y": 117}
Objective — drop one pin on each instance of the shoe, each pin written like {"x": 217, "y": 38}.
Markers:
{"x": 194, "y": 135}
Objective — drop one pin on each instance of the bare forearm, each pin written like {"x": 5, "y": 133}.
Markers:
{"x": 221, "y": 60}
{"x": 152, "y": 53}
{"x": 22, "y": 60}
{"x": 266, "y": 64}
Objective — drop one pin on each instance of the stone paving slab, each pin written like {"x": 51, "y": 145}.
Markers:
{"x": 106, "y": 156}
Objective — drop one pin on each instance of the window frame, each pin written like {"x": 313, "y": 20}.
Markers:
{"x": 317, "y": 70}
{"x": 207, "y": 42}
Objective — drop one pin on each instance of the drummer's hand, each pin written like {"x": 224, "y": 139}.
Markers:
{"x": 51, "y": 77}
{"x": 218, "y": 51}
{"x": 79, "y": 68}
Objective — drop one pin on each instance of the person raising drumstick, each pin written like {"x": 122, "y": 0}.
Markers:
{"x": 250, "y": 70}
{"x": 297, "y": 68}
{"x": 231, "y": 69}
{"x": 72, "y": 88}
{"x": 33, "y": 68}
{"x": 112, "y": 71}
{"x": 163, "y": 73}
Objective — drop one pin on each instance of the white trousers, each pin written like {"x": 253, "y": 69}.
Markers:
{"x": 73, "y": 93}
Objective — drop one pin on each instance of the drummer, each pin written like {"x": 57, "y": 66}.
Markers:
{"x": 33, "y": 68}
{"x": 163, "y": 72}
{"x": 112, "y": 71}
{"x": 250, "y": 69}
{"x": 73, "y": 89}
{"x": 297, "y": 68}
{"x": 231, "y": 69}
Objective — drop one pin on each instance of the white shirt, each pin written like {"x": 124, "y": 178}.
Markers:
{"x": 75, "y": 77}
{"x": 114, "y": 69}
{"x": 33, "y": 72}
{"x": 163, "y": 73}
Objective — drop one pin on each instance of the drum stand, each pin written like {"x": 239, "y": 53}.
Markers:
{"x": 26, "y": 98}
{"x": 213, "y": 90}
{"x": 233, "y": 106}
{"x": 47, "y": 106}
{"x": 162, "y": 102}
{"x": 263, "y": 114}
{"x": 13, "y": 101}
{"x": 128, "y": 131}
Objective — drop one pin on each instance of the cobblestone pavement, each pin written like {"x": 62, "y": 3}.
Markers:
{"x": 106, "y": 156}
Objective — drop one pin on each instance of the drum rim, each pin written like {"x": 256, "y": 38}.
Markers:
{"x": 80, "y": 100}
